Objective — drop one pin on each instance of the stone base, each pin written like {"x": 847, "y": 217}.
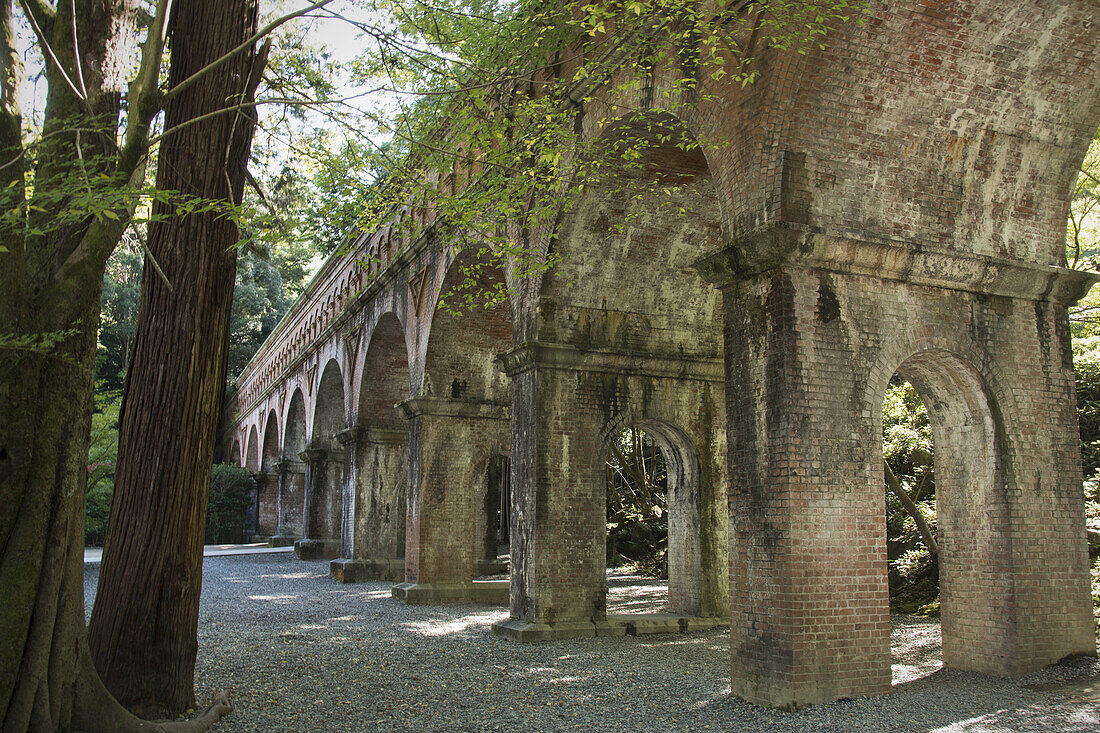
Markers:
{"x": 357, "y": 571}
{"x": 618, "y": 625}
{"x": 317, "y": 549}
{"x": 490, "y": 567}
{"x": 489, "y": 592}
{"x": 281, "y": 540}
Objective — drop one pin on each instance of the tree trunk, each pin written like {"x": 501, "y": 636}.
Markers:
{"x": 911, "y": 507}
{"x": 47, "y": 681}
{"x": 143, "y": 625}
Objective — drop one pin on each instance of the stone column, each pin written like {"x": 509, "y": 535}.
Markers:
{"x": 810, "y": 347}
{"x": 375, "y": 504}
{"x": 558, "y": 537}
{"x": 349, "y": 439}
{"x": 451, "y": 441}
{"x": 289, "y": 502}
{"x": 321, "y": 510}
{"x": 267, "y": 499}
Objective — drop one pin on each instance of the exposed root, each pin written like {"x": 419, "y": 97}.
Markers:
{"x": 97, "y": 710}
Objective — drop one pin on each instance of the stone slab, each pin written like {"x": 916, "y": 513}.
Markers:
{"x": 317, "y": 549}
{"x": 489, "y": 592}
{"x": 344, "y": 570}
{"x": 615, "y": 625}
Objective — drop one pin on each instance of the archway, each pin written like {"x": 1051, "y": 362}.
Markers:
{"x": 626, "y": 334}
{"x": 292, "y": 472}
{"x": 267, "y": 485}
{"x": 325, "y": 468}
{"x": 458, "y": 428}
{"x": 382, "y": 454}
{"x": 252, "y": 455}
{"x": 970, "y": 536}
{"x": 655, "y": 498}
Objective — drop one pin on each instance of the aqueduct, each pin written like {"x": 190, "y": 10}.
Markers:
{"x": 892, "y": 203}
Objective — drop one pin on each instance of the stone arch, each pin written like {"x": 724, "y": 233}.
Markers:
{"x": 385, "y": 375}
{"x": 972, "y": 507}
{"x": 325, "y": 466}
{"x": 291, "y": 479}
{"x": 686, "y": 594}
{"x": 459, "y": 417}
{"x": 471, "y": 325}
{"x": 270, "y": 454}
{"x": 235, "y": 457}
{"x": 252, "y": 455}
{"x": 294, "y": 426}
{"x": 267, "y": 485}
{"x": 626, "y": 280}
{"x": 328, "y": 407}
{"x": 381, "y": 450}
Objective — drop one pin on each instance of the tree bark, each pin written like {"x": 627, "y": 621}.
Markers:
{"x": 144, "y": 622}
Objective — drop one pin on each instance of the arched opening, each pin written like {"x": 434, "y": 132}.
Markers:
{"x": 325, "y": 459}
{"x": 252, "y": 457}
{"x": 382, "y": 455}
{"x": 267, "y": 485}
{"x": 252, "y": 463}
{"x": 294, "y": 436}
{"x": 958, "y": 491}
{"x": 459, "y": 425}
{"x": 471, "y": 325}
{"x": 632, "y": 337}
{"x": 270, "y": 455}
{"x": 292, "y": 472}
{"x": 235, "y": 456}
{"x": 654, "y": 523}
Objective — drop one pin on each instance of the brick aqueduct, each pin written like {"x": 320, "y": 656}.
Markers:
{"x": 893, "y": 203}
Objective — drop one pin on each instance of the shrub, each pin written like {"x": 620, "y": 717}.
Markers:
{"x": 231, "y": 490}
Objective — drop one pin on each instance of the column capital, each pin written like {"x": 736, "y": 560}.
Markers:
{"x": 354, "y": 434}
{"x": 289, "y": 465}
{"x": 452, "y": 407}
{"x": 313, "y": 456}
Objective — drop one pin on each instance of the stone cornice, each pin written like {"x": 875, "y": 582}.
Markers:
{"x": 562, "y": 356}
{"x": 452, "y": 407}
{"x": 801, "y": 246}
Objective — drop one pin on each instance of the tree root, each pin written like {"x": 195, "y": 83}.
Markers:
{"x": 95, "y": 709}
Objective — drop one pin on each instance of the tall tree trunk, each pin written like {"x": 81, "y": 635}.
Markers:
{"x": 143, "y": 625}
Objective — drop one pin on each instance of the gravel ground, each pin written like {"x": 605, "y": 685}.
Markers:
{"x": 299, "y": 652}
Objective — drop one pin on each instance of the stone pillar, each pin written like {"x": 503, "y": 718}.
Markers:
{"x": 808, "y": 590}
{"x": 558, "y": 537}
{"x": 289, "y": 502}
{"x": 321, "y": 511}
{"x": 451, "y": 442}
{"x": 349, "y": 439}
{"x": 267, "y": 500}
{"x": 375, "y": 506}
{"x": 810, "y": 348}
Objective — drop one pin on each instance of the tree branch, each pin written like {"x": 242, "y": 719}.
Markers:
{"x": 179, "y": 88}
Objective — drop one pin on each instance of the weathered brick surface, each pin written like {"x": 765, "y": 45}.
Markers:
{"x": 452, "y": 445}
{"x": 810, "y": 354}
{"x": 291, "y": 498}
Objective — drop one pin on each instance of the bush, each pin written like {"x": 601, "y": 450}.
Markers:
{"x": 230, "y": 497}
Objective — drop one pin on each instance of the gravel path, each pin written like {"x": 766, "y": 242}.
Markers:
{"x": 299, "y": 652}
